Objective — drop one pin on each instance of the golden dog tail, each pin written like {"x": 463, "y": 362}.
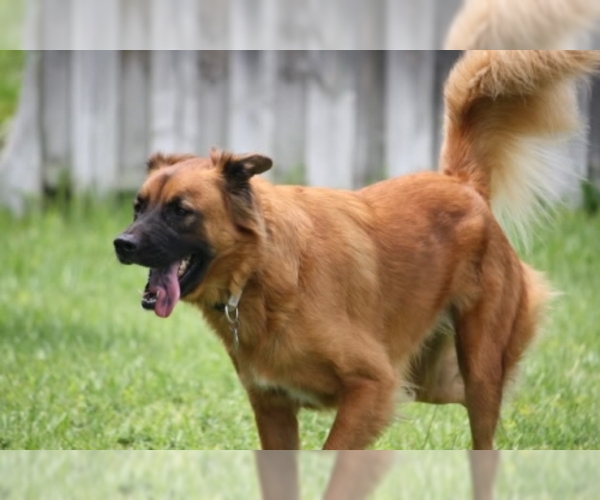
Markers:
{"x": 505, "y": 114}
{"x": 521, "y": 24}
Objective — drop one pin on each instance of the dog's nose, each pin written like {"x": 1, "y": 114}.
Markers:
{"x": 126, "y": 244}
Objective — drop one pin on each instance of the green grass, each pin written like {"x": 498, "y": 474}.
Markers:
{"x": 11, "y": 72}
{"x": 525, "y": 475}
{"x": 82, "y": 366}
{"x": 12, "y": 24}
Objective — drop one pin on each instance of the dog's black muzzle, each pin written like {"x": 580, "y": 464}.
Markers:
{"x": 126, "y": 247}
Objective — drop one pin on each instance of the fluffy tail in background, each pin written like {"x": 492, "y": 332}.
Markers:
{"x": 505, "y": 113}
{"x": 522, "y": 24}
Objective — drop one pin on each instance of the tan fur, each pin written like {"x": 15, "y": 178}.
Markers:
{"x": 507, "y": 113}
{"x": 342, "y": 291}
{"x": 521, "y": 24}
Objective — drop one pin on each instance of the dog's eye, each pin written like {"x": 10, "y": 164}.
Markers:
{"x": 137, "y": 206}
{"x": 181, "y": 211}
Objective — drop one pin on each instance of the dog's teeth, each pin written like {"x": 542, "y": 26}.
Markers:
{"x": 183, "y": 266}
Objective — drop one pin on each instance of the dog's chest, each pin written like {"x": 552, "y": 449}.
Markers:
{"x": 300, "y": 396}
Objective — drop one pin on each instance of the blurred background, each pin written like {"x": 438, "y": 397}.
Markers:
{"x": 87, "y": 120}
{"x": 88, "y": 117}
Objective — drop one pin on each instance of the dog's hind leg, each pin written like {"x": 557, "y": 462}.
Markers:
{"x": 480, "y": 361}
{"x": 435, "y": 376}
{"x": 484, "y": 465}
{"x": 483, "y": 332}
{"x": 491, "y": 337}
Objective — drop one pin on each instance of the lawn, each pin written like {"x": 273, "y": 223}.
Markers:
{"x": 12, "y": 24}
{"x": 526, "y": 475}
{"x": 11, "y": 72}
{"x": 82, "y": 366}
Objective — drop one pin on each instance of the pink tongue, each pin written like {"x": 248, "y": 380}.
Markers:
{"x": 165, "y": 284}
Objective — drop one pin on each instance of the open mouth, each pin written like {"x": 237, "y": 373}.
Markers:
{"x": 168, "y": 284}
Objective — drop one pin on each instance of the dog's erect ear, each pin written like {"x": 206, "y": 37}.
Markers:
{"x": 238, "y": 169}
{"x": 160, "y": 160}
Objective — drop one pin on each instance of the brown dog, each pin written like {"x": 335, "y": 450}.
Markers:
{"x": 342, "y": 299}
{"x": 356, "y": 474}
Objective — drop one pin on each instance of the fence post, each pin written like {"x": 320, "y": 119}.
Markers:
{"x": 21, "y": 161}
{"x": 174, "y": 24}
{"x": 409, "y": 111}
{"x": 55, "y": 104}
{"x": 95, "y": 128}
{"x": 290, "y": 116}
{"x": 134, "y": 117}
{"x": 164, "y": 101}
{"x": 214, "y": 95}
{"x": 331, "y": 119}
{"x": 370, "y": 136}
{"x": 253, "y": 24}
{"x": 213, "y": 24}
{"x": 410, "y": 25}
{"x": 95, "y": 25}
{"x": 251, "y": 100}
{"x": 135, "y": 26}
{"x": 56, "y": 25}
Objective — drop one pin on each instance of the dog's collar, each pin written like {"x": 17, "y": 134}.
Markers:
{"x": 219, "y": 307}
{"x": 233, "y": 302}
{"x": 232, "y": 315}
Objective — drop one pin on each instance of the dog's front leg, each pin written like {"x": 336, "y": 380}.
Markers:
{"x": 278, "y": 474}
{"x": 276, "y": 419}
{"x": 357, "y": 473}
{"x": 365, "y": 408}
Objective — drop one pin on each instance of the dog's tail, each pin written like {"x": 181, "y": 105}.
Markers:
{"x": 521, "y": 24}
{"x": 505, "y": 111}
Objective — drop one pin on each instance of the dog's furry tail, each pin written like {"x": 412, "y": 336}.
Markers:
{"x": 521, "y": 24}
{"x": 505, "y": 113}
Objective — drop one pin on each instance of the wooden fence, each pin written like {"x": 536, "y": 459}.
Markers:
{"x": 238, "y": 24}
{"x": 329, "y": 118}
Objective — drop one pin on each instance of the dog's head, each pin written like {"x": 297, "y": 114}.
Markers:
{"x": 188, "y": 212}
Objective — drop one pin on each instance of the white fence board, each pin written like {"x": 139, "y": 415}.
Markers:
{"x": 410, "y": 115}
{"x": 94, "y": 120}
{"x": 290, "y": 106}
{"x": 21, "y": 163}
{"x": 370, "y": 121}
{"x": 214, "y": 102}
{"x": 134, "y": 117}
{"x": 55, "y": 25}
{"x": 252, "y": 99}
{"x": 164, "y": 101}
{"x": 410, "y": 25}
{"x": 331, "y": 118}
{"x": 135, "y": 16}
{"x": 56, "y": 94}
